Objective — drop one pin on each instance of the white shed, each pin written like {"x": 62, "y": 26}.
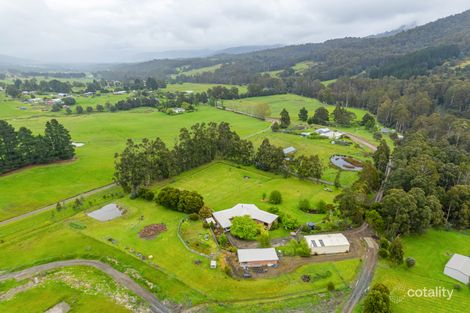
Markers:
{"x": 458, "y": 268}
{"x": 327, "y": 243}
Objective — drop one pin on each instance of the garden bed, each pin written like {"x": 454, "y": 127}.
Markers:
{"x": 152, "y": 230}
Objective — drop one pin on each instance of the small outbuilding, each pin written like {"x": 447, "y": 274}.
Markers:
{"x": 327, "y": 243}
{"x": 458, "y": 268}
{"x": 213, "y": 264}
{"x": 257, "y": 257}
{"x": 289, "y": 150}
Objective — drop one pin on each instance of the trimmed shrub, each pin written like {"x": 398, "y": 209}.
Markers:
{"x": 205, "y": 212}
{"x": 193, "y": 216}
{"x": 330, "y": 286}
{"x": 410, "y": 262}
{"x": 383, "y": 253}
{"x": 275, "y": 197}
{"x": 304, "y": 205}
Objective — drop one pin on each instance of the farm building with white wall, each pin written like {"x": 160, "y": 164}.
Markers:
{"x": 327, "y": 243}
{"x": 458, "y": 268}
{"x": 257, "y": 257}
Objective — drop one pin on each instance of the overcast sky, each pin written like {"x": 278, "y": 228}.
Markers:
{"x": 100, "y": 30}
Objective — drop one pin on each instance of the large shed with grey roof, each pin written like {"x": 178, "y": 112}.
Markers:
{"x": 327, "y": 243}
{"x": 458, "y": 268}
{"x": 257, "y": 257}
{"x": 224, "y": 218}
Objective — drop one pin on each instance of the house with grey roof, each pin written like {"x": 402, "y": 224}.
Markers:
{"x": 458, "y": 268}
{"x": 289, "y": 150}
{"x": 257, "y": 257}
{"x": 224, "y": 217}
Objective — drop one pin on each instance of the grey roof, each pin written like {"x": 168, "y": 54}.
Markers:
{"x": 289, "y": 150}
{"x": 460, "y": 263}
{"x": 252, "y": 255}
{"x": 327, "y": 240}
{"x": 106, "y": 213}
{"x": 224, "y": 217}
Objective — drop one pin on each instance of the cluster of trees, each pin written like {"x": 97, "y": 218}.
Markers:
{"x": 151, "y": 160}
{"x": 378, "y": 300}
{"x": 54, "y": 85}
{"x": 21, "y": 148}
{"x": 180, "y": 200}
{"x": 244, "y": 227}
{"x": 222, "y": 92}
{"x": 415, "y": 63}
{"x": 429, "y": 185}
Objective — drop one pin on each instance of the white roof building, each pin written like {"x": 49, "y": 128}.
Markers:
{"x": 224, "y": 218}
{"x": 178, "y": 110}
{"x": 326, "y": 132}
{"x": 458, "y": 268}
{"x": 257, "y": 257}
{"x": 289, "y": 150}
{"x": 327, "y": 243}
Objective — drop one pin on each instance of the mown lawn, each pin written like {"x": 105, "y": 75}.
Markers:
{"x": 292, "y": 103}
{"x": 431, "y": 251}
{"x": 224, "y": 185}
{"x": 103, "y": 134}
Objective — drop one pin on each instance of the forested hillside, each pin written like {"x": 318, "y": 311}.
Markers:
{"x": 332, "y": 59}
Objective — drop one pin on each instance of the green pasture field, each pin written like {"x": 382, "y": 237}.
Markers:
{"x": 103, "y": 135}
{"x": 201, "y": 70}
{"x": 178, "y": 278}
{"x": 93, "y": 101}
{"x": 432, "y": 251}
{"x": 182, "y": 87}
{"x": 322, "y": 147}
{"x": 67, "y": 285}
{"x": 292, "y": 103}
{"x": 302, "y": 66}
{"x": 223, "y": 185}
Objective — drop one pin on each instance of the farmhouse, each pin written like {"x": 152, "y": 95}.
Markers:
{"x": 257, "y": 257}
{"x": 458, "y": 268}
{"x": 326, "y": 132}
{"x": 224, "y": 218}
{"x": 327, "y": 243}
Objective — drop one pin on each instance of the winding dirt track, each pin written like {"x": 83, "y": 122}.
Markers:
{"x": 120, "y": 278}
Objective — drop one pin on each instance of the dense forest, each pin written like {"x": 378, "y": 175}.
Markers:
{"x": 19, "y": 148}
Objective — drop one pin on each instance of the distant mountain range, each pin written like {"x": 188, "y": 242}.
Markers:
{"x": 201, "y": 53}
{"x": 330, "y": 59}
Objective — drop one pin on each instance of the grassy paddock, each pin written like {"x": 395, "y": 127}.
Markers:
{"x": 292, "y": 103}
{"x": 103, "y": 135}
{"x": 431, "y": 250}
{"x": 194, "y": 87}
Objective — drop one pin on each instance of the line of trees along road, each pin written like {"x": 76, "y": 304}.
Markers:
{"x": 22, "y": 148}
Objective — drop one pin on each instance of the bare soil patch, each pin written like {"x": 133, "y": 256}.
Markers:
{"x": 152, "y": 230}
